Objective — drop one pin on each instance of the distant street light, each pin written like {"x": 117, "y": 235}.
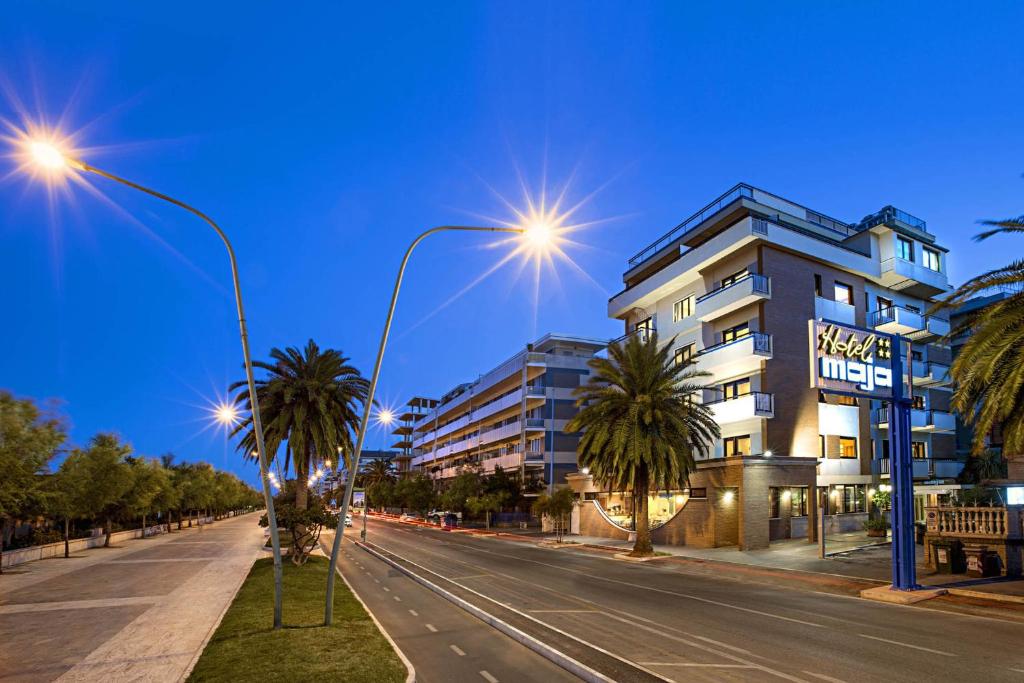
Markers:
{"x": 539, "y": 233}
{"x": 51, "y": 159}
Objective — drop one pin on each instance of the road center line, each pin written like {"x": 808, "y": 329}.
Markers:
{"x": 431, "y": 628}
{"x": 414, "y": 613}
{"x": 456, "y": 650}
{"x": 488, "y": 677}
{"x": 916, "y": 647}
{"x": 824, "y": 677}
{"x": 696, "y": 664}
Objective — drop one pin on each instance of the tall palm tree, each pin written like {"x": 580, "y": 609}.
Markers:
{"x": 377, "y": 471}
{"x": 988, "y": 372}
{"x": 310, "y": 400}
{"x": 640, "y": 424}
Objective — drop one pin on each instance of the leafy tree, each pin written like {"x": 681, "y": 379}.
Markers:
{"x": 28, "y": 441}
{"x": 377, "y": 471}
{"x": 64, "y": 496}
{"x": 466, "y": 485}
{"x": 310, "y": 401}
{"x": 305, "y": 523}
{"x": 556, "y": 506}
{"x": 381, "y": 494}
{"x": 640, "y": 424}
{"x": 988, "y": 372}
{"x": 416, "y": 493}
{"x": 107, "y": 477}
{"x": 197, "y": 488}
{"x": 487, "y": 503}
{"x": 501, "y": 482}
{"x": 148, "y": 477}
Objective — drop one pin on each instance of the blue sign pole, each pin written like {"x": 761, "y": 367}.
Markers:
{"x": 901, "y": 473}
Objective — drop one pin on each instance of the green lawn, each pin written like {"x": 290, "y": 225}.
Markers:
{"x": 246, "y": 648}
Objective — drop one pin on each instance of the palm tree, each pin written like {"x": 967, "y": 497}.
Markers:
{"x": 376, "y": 472}
{"x": 309, "y": 400}
{"x": 988, "y": 372}
{"x": 640, "y": 424}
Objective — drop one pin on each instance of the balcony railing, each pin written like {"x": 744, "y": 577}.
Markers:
{"x": 982, "y": 522}
{"x": 760, "y": 284}
{"x": 642, "y": 331}
{"x": 762, "y": 343}
{"x": 897, "y": 315}
{"x": 535, "y": 423}
{"x": 742, "y": 407}
{"x": 890, "y": 214}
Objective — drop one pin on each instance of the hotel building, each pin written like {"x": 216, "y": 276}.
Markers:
{"x": 511, "y": 417}
{"x": 733, "y": 289}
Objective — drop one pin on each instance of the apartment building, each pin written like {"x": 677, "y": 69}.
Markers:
{"x": 511, "y": 417}
{"x": 405, "y": 422}
{"x": 733, "y": 288}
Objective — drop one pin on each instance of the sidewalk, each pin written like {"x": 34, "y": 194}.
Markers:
{"x": 858, "y": 557}
{"x": 140, "y": 611}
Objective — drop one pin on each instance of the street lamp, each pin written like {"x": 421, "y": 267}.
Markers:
{"x": 50, "y": 158}
{"x": 539, "y": 233}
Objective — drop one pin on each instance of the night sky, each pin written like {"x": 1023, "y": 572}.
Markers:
{"x": 324, "y": 137}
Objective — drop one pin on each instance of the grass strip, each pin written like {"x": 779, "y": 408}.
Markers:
{"x": 246, "y": 648}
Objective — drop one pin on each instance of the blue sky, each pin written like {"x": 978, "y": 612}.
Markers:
{"x": 325, "y": 137}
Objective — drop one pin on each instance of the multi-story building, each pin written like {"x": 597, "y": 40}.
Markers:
{"x": 733, "y": 289}
{"x": 511, "y": 417}
{"x": 415, "y": 409}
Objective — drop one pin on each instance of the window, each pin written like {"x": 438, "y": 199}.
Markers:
{"x": 740, "y": 387}
{"x": 930, "y": 259}
{"x": 682, "y": 309}
{"x": 645, "y": 324}
{"x": 684, "y": 354}
{"x": 734, "y": 278}
{"x": 843, "y": 400}
{"x": 817, "y": 285}
{"x": 917, "y": 402}
{"x": 916, "y": 355}
{"x": 734, "y": 333}
{"x": 919, "y": 449}
{"x": 850, "y": 498}
{"x": 821, "y": 445}
{"x": 798, "y": 501}
{"x": 882, "y": 304}
{"x": 844, "y": 293}
{"x": 847, "y": 447}
{"x": 736, "y": 445}
{"x": 904, "y": 248}
{"x": 699, "y": 493}
{"x": 885, "y": 449}
{"x": 774, "y": 502}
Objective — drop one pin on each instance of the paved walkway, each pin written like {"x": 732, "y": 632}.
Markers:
{"x": 857, "y": 557}
{"x": 141, "y": 611}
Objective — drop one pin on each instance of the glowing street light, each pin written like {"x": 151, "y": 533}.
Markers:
{"x": 46, "y": 152}
{"x": 226, "y": 414}
{"x": 537, "y": 233}
{"x": 385, "y": 416}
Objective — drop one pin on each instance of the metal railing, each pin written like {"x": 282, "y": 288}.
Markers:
{"x": 763, "y": 402}
{"x": 889, "y": 214}
{"x": 642, "y": 331}
{"x": 761, "y": 285}
{"x": 762, "y": 343}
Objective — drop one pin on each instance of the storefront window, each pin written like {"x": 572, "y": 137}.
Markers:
{"x": 736, "y": 445}
{"x": 850, "y": 498}
{"x": 798, "y": 501}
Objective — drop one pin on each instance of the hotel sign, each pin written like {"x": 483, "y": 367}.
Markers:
{"x": 850, "y": 360}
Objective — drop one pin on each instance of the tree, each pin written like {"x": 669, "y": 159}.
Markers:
{"x": 107, "y": 476}
{"x": 28, "y": 441}
{"x": 197, "y": 487}
{"x": 501, "y": 482}
{"x": 64, "y": 498}
{"x": 148, "y": 478}
{"x": 305, "y": 524}
{"x": 377, "y": 471}
{"x": 310, "y": 401}
{"x": 982, "y": 467}
{"x": 466, "y": 485}
{"x": 486, "y": 504}
{"x": 556, "y": 507}
{"x": 988, "y": 372}
{"x": 416, "y": 493}
{"x": 380, "y": 494}
{"x": 641, "y": 425}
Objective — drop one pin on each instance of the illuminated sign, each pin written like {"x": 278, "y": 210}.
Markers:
{"x": 849, "y": 360}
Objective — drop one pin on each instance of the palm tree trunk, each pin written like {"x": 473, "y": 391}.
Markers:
{"x": 143, "y": 525}
{"x": 67, "y": 533}
{"x": 302, "y": 478}
{"x": 642, "y": 547}
{"x": 109, "y": 525}
{"x": 168, "y": 521}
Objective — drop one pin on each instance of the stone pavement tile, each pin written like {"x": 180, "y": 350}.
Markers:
{"x": 40, "y": 646}
{"x": 110, "y": 580}
{"x": 163, "y": 642}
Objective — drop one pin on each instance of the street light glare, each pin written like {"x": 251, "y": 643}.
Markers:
{"x": 385, "y": 416}
{"x": 539, "y": 233}
{"x": 47, "y": 155}
{"x": 226, "y": 414}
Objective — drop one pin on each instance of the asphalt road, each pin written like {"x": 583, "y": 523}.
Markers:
{"x": 443, "y": 642}
{"x": 688, "y": 626}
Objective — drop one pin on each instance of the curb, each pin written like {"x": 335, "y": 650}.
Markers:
{"x": 566, "y": 662}
{"x": 983, "y": 595}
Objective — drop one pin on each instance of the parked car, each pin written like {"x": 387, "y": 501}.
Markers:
{"x": 409, "y": 516}
{"x": 442, "y": 515}
{"x": 348, "y": 520}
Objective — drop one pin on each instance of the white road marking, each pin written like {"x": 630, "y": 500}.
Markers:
{"x": 916, "y": 647}
{"x": 824, "y": 677}
{"x": 431, "y": 628}
{"x": 564, "y": 611}
{"x": 376, "y": 580}
{"x": 456, "y": 650}
{"x": 385, "y": 589}
{"x": 414, "y": 613}
{"x": 398, "y": 599}
{"x": 488, "y": 677}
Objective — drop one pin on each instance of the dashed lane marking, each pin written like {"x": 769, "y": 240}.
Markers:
{"x": 916, "y": 647}
{"x": 431, "y": 628}
{"x": 488, "y": 677}
{"x": 456, "y": 650}
{"x": 414, "y": 613}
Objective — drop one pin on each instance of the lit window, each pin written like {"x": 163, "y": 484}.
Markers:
{"x": 684, "y": 354}
{"x": 734, "y": 278}
{"x": 734, "y": 333}
{"x": 844, "y": 293}
{"x": 682, "y": 309}
{"x": 904, "y": 248}
{"x": 930, "y": 259}
{"x": 774, "y": 502}
{"x": 740, "y": 387}
{"x": 736, "y": 445}
{"x": 919, "y": 449}
{"x": 847, "y": 447}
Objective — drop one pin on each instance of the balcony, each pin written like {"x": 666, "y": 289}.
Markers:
{"x": 745, "y": 407}
{"x": 929, "y": 373}
{"x": 931, "y": 421}
{"x": 836, "y": 311}
{"x": 933, "y": 329}
{"x": 946, "y": 469}
{"x": 900, "y": 274}
{"x": 506, "y": 462}
{"x": 749, "y": 289}
{"x": 732, "y": 358}
{"x": 921, "y": 468}
{"x": 897, "y": 320}
{"x": 534, "y": 423}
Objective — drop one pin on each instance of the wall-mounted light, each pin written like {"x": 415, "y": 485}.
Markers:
{"x": 871, "y": 492}
{"x": 727, "y": 496}
{"x": 585, "y": 470}
{"x": 787, "y": 494}
{"x": 768, "y": 454}
{"x": 679, "y": 499}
